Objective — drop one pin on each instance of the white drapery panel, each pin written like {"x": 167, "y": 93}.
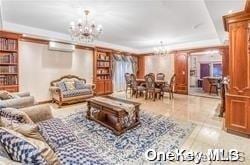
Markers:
{"x": 121, "y": 65}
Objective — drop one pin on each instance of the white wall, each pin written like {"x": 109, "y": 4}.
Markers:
{"x": 160, "y": 64}
{"x": 38, "y": 66}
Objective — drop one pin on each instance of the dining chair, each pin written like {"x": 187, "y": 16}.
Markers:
{"x": 151, "y": 74}
{"x": 128, "y": 82}
{"x": 151, "y": 87}
{"x": 136, "y": 89}
{"x": 160, "y": 76}
{"x": 214, "y": 83}
{"x": 169, "y": 88}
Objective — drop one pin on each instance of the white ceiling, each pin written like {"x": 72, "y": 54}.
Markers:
{"x": 136, "y": 24}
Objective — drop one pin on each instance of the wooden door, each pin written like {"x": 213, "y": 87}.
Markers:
{"x": 100, "y": 87}
{"x": 238, "y": 96}
{"x": 181, "y": 70}
{"x": 108, "y": 86}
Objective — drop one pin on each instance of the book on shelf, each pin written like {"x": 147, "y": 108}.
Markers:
{"x": 8, "y": 58}
{"x": 8, "y": 69}
{"x": 8, "y": 80}
{"x": 8, "y": 44}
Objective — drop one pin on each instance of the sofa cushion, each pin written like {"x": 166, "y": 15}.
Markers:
{"x": 56, "y": 133}
{"x": 70, "y": 85}
{"x": 80, "y": 84}
{"x": 78, "y": 153}
{"x": 19, "y": 149}
{"x": 62, "y": 86}
{"x": 74, "y": 93}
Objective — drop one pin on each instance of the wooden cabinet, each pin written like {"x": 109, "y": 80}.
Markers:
{"x": 238, "y": 96}
{"x": 103, "y": 71}
{"x": 238, "y": 114}
{"x": 181, "y": 70}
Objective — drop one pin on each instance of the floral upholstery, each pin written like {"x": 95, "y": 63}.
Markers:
{"x": 160, "y": 76}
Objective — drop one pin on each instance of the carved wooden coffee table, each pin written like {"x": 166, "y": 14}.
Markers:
{"x": 110, "y": 116}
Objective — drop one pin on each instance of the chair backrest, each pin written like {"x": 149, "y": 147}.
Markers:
{"x": 152, "y": 74}
{"x": 127, "y": 78}
{"x": 160, "y": 76}
{"x": 172, "y": 82}
{"x": 133, "y": 80}
{"x": 150, "y": 81}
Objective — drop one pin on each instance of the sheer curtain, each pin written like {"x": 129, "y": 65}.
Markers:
{"x": 121, "y": 65}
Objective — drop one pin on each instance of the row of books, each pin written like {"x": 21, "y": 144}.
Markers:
{"x": 8, "y": 69}
{"x": 8, "y": 44}
{"x": 106, "y": 77}
{"x": 9, "y": 58}
{"x": 103, "y": 56}
{"x": 8, "y": 80}
{"x": 102, "y": 64}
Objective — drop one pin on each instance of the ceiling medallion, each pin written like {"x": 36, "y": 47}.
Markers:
{"x": 84, "y": 32}
{"x": 161, "y": 50}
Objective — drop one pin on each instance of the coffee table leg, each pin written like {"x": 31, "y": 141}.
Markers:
{"x": 88, "y": 111}
{"x": 119, "y": 124}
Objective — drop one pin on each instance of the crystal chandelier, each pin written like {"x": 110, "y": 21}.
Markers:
{"x": 83, "y": 31}
{"x": 161, "y": 50}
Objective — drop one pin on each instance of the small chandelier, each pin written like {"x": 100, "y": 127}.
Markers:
{"x": 83, "y": 31}
{"x": 161, "y": 50}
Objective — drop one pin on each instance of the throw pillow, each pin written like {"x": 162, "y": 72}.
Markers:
{"x": 70, "y": 85}
{"x": 26, "y": 150}
{"x": 28, "y": 130}
{"x": 3, "y": 153}
{"x": 4, "y": 95}
{"x": 12, "y": 115}
{"x": 79, "y": 84}
{"x": 19, "y": 149}
{"x": 62, "y": 86}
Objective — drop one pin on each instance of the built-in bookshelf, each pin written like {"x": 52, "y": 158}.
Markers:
{"x": 103, "y": 71}
{"x": 9, "y": 77}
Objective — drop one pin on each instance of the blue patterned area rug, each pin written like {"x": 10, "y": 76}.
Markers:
{"x": 155, "y": 132}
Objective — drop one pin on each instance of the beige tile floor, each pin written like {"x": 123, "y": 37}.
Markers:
{"x": 209, "y": 132}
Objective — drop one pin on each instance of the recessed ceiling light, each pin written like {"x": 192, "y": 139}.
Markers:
{"x": 230, "y": 11}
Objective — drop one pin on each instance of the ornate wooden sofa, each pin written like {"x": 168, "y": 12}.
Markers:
{"x": 70, "y": 89}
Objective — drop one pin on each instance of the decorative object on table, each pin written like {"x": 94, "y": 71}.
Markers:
{"x": 83, "y": 31}
{"x": 155, "y": 131}
{"x": 70, "y": 89}
{"x": 161, "y": 50}
{"x": 116, "y": 114}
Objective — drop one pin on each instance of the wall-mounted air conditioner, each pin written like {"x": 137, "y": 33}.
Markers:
{"x": 61, "y": 47}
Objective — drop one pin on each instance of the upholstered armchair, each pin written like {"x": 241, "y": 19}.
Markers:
{"x": 70, "y": 89}
{"x": 18, "y": 100}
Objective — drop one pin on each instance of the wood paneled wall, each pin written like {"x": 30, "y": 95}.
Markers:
{"x": 141, "y": 67}
{"x": 238, "y": 96}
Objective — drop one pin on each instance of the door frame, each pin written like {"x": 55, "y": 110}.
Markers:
{"x": 223, "y": 51}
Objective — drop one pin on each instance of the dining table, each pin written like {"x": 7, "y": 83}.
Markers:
{"x": 157, "y": 82}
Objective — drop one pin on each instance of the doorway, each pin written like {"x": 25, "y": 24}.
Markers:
{"x": 205, "y": 74}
